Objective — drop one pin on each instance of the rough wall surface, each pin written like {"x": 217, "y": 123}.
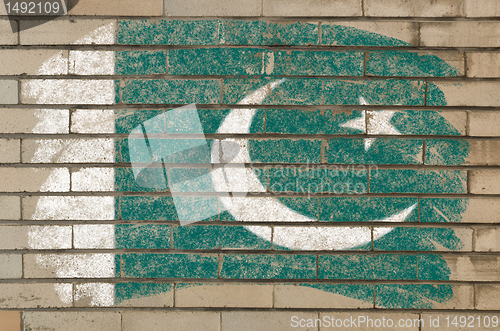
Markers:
{"x": 338, "y": 166}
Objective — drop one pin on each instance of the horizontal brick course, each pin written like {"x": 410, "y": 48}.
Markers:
{"x": 213, "y": 8}
{"x": 35, "y": 237}
{"x": 477, "y": 94}
{"x": 482, "y": 8}
{"x": 61, "y": 32}
{"x": 117, "y": 8}
{"x": 15, "y": 120}
{"x": 176, "y": 321}
{"x": 486, "y": 239}
{"x": 262, "y": 321}
{"x": 36, "y": 295}
{"x": 485, "y": 64}
{"x": 28, "y": 62}
{"x": 70, "y": 91}
{"x": 224, "y": 295}
{"x": 484, "y": 182}
{"x": 469, "y": 210}
{"x": 462, "y": 152}
{"x": 34, "y": 179}
{"x": 72, "y": 321}
{"x": 90, "y": 265}
{"x": 68, "y": 208}
{"x": 486, "y": 296}
{"x": 311, "y": 296}
{"x": 459, "y": 34}
{"x": 311, "y": 8}
{"x": 97, "y": 150}
{"x": 484, "y": 123}
{"x": 93, "y": 121}
{"x": 399, "y": 33}
{"x": 418, "y": 8}
{"x": 472, "y": 268}
{"x": 386, "y": 297}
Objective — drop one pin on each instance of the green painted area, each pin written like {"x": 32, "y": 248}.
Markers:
{"x": 125, "y": 181}
{"x": 446, "y": 151}
{"x": 176, "y": 91}
{"x": 382, "y": 151}
{"x": 433, "y": 267}
{"x": 293, "y": 91}
{"x": 329, "y": 91}
{"x": 239, "y": 32}
{"x": 140, "y": 62}
{"x": 191, "y": 179}
{"x": 334, "y": 34}
{"x": 236, "y": 32}
{"x": 142, "y": 236}
{"x": 285, "y": 150}
{"x": 118, "y": 266}
{"x": 442, "y": 210}
{"x": 407, "y": 64}
{"x": 267, "y": 266}
{"x": 376, "y": 92}
{"x": 167, "y": 32}
{"x": 217, "y": 61}
{"x": 435, "y": 97}
{"x": 127, "y": 120}
{"x": 371, "y": 267}
{"x": 217, "y": 237}
{"x": 259, "y": 121}
{"x": 146, "y": 208}
{"x": 296, "y": 121}
{"x": 210, "y": 119}
{"x": 289, "y": 180}
{"x": 418, "y": 239}
{"x": 134, "y": 290}
{"x": 117, "y": 91}
{"x": 423, "y": 122}
{"x": 317, "y": 63}
{"x": 364, "y": 209}
{"x": 118, "y": 154}
{"x": 419, "y": 181}
{"x": 407, "y": 122}
{"x": 412, "y": 296}
{"x": 148, "y": 265}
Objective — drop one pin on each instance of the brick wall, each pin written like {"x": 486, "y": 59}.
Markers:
{"x": 358, "y": 140}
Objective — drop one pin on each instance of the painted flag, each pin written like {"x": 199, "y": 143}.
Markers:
{"x": 301, "y": 164}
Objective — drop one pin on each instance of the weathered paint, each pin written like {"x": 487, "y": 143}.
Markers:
{"x": 312, "y": 91}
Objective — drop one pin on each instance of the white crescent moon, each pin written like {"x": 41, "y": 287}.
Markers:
{"x": 268, "y": 209}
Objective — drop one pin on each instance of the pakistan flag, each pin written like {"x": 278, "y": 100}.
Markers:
{"x": 301, "y": 161}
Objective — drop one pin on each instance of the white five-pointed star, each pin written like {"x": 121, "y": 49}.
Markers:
{"x": 378, "y": 123}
